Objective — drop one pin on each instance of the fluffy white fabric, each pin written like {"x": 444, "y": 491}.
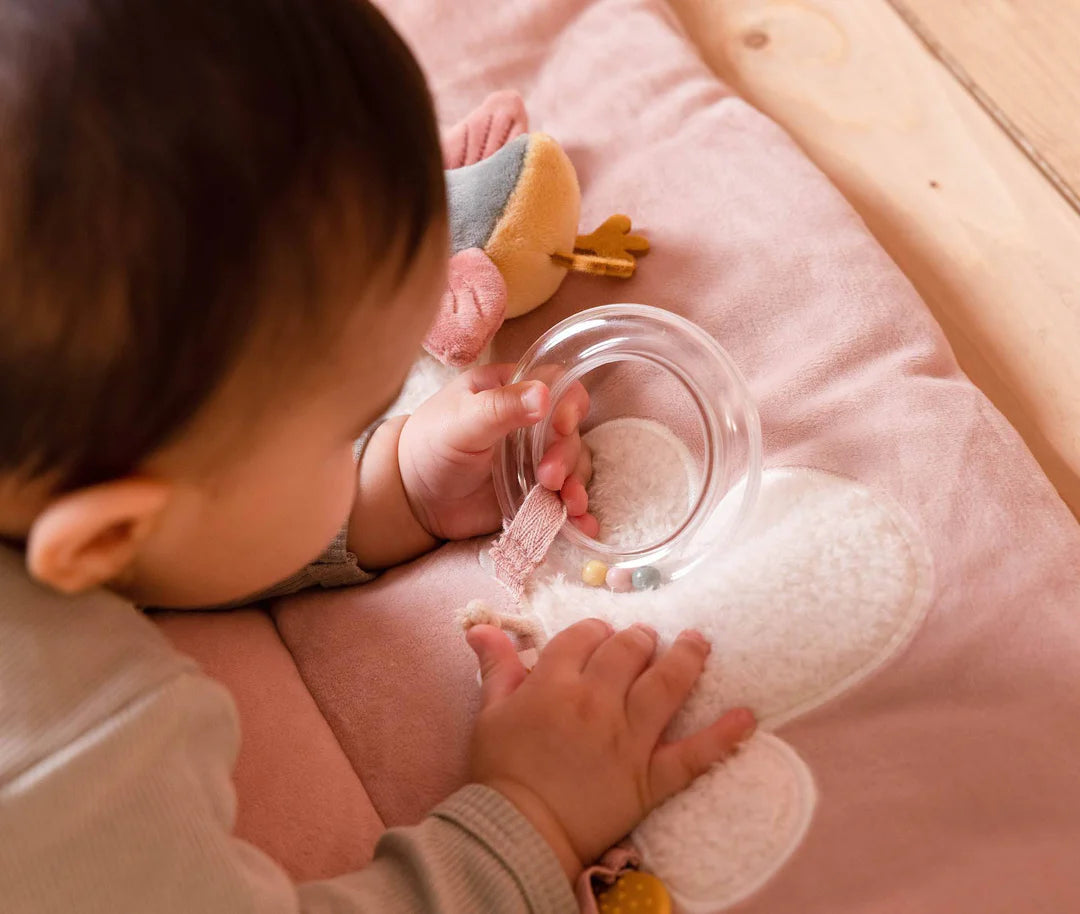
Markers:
{"x": 727, "y": 834}
{"x": 828, "y": 581}
{"x": 426, "y": 377}
{"x": 635, "y": 508}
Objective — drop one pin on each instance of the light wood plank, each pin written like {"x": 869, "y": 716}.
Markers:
{"x": 1023, "y": 63}
{"x": 989, "y": 243}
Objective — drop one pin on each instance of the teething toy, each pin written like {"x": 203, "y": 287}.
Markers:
{"x": 634, "y": 892}
{"x": 514, "y": 205}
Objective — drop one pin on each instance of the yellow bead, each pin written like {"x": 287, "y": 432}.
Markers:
{"x": 594, "y": 573}
{"x": 634, "y": 893}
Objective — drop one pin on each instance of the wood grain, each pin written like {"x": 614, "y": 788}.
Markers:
{"x": 1022, "y": 61}
{"x": 992, "y": 247}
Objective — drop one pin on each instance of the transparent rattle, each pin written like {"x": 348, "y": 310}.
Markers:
{"x": 668, "y": 374}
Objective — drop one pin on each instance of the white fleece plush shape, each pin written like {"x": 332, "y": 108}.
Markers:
{"x": 827, "y": 583}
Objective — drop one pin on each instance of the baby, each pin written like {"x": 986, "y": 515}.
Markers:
{"x": 222, "y": 238}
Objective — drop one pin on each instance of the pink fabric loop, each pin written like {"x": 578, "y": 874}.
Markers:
{"x": 525, "y": 542}
{"x": 616, "y": 861}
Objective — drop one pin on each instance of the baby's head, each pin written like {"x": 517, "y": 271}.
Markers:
{"x": 222, "y": 237}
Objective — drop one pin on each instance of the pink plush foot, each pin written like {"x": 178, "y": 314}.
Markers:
{"x": 471, "y": 311}
{"x": 498, "y": 120}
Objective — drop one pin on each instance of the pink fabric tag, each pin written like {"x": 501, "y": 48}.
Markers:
{"x": 525, "y": 542}
{"x": 616, "y": 861}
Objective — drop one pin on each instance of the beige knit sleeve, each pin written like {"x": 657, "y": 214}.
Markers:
{"x": 136, "y": 815}
{"x": 336, "y": 567}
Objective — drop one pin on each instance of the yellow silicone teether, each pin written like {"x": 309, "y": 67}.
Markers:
{"x": 635, "y": 893}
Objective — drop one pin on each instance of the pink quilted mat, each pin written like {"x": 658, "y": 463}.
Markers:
{"x": 938, "y": 774}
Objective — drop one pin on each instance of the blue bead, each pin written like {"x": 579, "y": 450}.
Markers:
{"x": 645, "y": 578}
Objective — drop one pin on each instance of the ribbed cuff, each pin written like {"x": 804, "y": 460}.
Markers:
{"x": 495, "y": 822}
{"x": 337, "y": 567}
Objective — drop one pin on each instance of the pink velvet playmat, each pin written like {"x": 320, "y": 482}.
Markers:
{"x": 917, "y": 671}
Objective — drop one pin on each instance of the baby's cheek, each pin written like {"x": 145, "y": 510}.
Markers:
{"x": 320, "y": 504}
{"x": 339, "y": 493}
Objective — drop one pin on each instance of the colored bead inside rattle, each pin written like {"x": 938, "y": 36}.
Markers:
{"x": 646, "y": 578}
{"x": 620, "y": 580}
{"x": 594, "y": 573}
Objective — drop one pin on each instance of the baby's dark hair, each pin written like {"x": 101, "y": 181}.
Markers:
{"x": 158, "y": 160}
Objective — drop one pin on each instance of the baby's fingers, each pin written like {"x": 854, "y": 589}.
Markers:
{"x": 663, "y": 688}
{"x": 574, "y": 497}
{"x": 559, "y": 461}
{"x": 571, "y": 409}
{"x": 564, "y": 459}
{"x": 501, "y": 671}
{"x": 584, "y": 469}
{"x": 675, "y": 765}
{"x": 587, "y": 524}
{"x": 571, "y": 648}
{"x": 485, "y": 417}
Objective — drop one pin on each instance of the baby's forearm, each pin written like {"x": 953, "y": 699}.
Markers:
{"x": 383, "y": 530}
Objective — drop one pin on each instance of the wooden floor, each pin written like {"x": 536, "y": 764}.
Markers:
{"x": 954, "y": 129}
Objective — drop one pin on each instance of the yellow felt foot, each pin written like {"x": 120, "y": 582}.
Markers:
{"x": 634, "y": 893}
{"x": 609, "y": 251}
{"x": 597, "y": 266}
{"x": 612, "y": 239}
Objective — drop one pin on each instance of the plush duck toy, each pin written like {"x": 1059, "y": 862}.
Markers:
{"x": 514, "y": 204}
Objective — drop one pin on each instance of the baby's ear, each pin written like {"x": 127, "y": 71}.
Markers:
{"x": 91, "y": 536}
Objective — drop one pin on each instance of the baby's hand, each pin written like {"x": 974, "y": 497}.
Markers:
{"x": 576, "y": 745}
{"x": 446, "y": 448}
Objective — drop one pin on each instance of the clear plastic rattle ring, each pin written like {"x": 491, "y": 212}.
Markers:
{"x": 668, "y": 374}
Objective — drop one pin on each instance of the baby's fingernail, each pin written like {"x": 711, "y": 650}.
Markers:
{"x": 648, "y": 629}
{"x": 693, "y": 634}
{"x": 533, "y": 401}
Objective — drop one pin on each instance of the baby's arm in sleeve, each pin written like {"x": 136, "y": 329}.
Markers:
{"x": 136, "y": 814}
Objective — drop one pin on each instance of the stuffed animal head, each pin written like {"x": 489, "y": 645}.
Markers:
{"x": 514, "y": 207}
